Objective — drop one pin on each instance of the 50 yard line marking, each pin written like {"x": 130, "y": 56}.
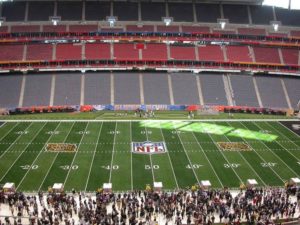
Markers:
{"x": 36, "y": 158}
{"x": 150, "y": 155}
{"x": 37, "y": 133}
{"x": 74, "y": 157}
{"x": 222, "y": 153}
{"x": 55, "y": 157}
{"x": 112, "y": 155}
{"x": 91, "y": 164}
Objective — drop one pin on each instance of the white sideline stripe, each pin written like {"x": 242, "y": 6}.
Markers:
{"x": 160, "y": 120}
{"x": 50, "y": 167}
{"x": 175, "y": 178}
{"x": 187, "y": 156}
{"x": 92, "y": 163}
{"x": 207, "y": 159}
{"x": 263, "y": 159}
{"x": 37, "y": 133}
{"x": 74, "y": 157}
{"x": 251, "y": 167}
{"x": 36, "y": 158}
{"x": 277, "y": 155}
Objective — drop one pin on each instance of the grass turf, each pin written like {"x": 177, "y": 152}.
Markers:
{"x": 104, "y": 154}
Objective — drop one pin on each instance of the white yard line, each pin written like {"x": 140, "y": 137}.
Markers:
{"x": 112, "y": 155}
{"x": 55, "y": 158}
{"x": 91, "y": 165}
{"x": 222, "y": 153}
{"x": 208, "y": 160}
{"x": 247, "y": 160}
{"x": 169, "y": 157}
{"x": 262, "y": 157}
{"x": 74, "y": 157}
{"x": 150, "y": 156}
{"x": 37, "y": 133}
{"x": 277, "y": 155}
{"x": 131, "y": 157}
{"x": 187, "y": 156}
{"x": 12, "y": 144}
{"x": 285, "y": 138}
{"x": 8, "y": 132}
{"x": 36, "y": 157}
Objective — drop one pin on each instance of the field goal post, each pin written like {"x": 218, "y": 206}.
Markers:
{"x": 207, "y": 110}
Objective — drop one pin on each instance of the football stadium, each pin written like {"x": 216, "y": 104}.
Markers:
{"x": 149, "y": 112}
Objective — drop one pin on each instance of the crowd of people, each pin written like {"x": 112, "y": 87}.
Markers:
{"x": 253, "y": 206}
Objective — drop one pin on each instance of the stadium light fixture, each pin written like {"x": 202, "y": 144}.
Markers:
{"x": 111, "y": 20}
{"x": 2, "y": 20}
{"x": 223, "y": 23}
{"x": 275, "y": 25}
{"x": 167, "y": 20}
{"x": 55, "y": 20}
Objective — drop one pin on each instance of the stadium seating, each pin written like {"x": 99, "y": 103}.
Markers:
{"x": 58, "y": 28}
{"x": 238, "y": 54}
{"x": 31, "y": 28}
{"x": 185, "y": 89}
{"x": 68, "y": 52}
{"x": 39, "y": 52}
{"x": 96, "y": 11}
{"x": 167, "y": 28}
{"x": 155, "y": 52}
{"x": 145, "y": 28}
{"x": 14, "y": 12}
{"x": 195, "y": 29}
{"x": 181, "y": 12}
{"x": 37, "y": 90}
{"x": 266, "y": 55}
{"x": 271, "y": 92}
{"x": 290, "y": 56}
{"x": 292, "y": 86}
{"x": 11, "y": 52}
{"x": 236, "y": 13}
{"x": 128, "y": 88}
{"x": 210, "y": 53}
{"x": 208, "y": 12}
{"x": 10, "y": 90}
{"x": 97, "y": 51}
{"x": 126, "y": 11}
{"x": 182, "y": 52}
{"x": 97, "y": 88}
{"x": 153, "y": 11}
{"x": 40, "y": 10}
{"x": 83, "y": 28}
{"x": 261, "y": 14}
{"x": 243, "y": 90}
{"x": 252, "y": 31}
{"x": 213, "y": 89}
{"x": 125, "y": 51}
{"x": 69, "y": 10}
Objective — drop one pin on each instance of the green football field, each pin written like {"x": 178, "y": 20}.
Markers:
{"x": 104, "y": 154}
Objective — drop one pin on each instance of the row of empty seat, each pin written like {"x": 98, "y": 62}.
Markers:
{"x": 137, "y": 51}
{"x": 145, "y": 28}
{"x": 126, "y": 88}
{"x": 149, "y": 11}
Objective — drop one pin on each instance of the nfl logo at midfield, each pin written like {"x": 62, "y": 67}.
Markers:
{"x": 148, "y": 147}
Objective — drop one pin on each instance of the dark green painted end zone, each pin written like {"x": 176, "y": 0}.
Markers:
{"x": 104, "y": 154}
